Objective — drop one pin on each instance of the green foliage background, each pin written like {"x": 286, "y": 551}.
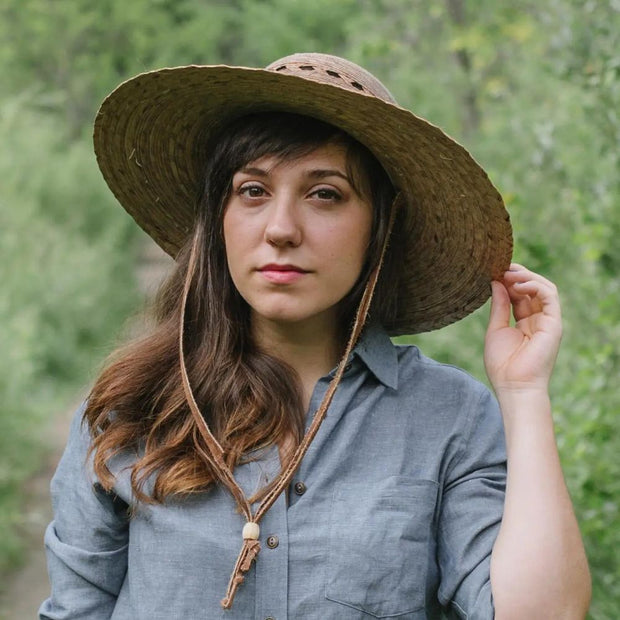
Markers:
{"x": 531, "y": 88}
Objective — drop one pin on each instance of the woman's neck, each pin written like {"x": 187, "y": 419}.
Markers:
{"x": 312, "y": 348}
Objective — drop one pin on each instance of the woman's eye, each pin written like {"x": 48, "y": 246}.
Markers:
{"x": 325, "y": 193}
{"x": 252, "y": 191}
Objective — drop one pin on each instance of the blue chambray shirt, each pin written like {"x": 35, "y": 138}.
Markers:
{"x": 392, "y": 514}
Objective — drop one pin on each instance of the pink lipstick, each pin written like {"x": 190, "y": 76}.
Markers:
{"x": 282, "y": 274}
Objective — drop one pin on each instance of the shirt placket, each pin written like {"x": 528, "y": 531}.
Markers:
{"x": 272, "y": 564}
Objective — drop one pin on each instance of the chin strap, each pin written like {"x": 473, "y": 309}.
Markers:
{"x": 214, "y": 453}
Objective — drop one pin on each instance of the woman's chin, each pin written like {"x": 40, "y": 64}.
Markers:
{"x": 294, "y": 317}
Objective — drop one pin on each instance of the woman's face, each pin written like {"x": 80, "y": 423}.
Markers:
{"x": 296, "y": 234}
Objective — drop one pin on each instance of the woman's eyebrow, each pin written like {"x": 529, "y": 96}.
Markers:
{"x": 328, "y": 172}
{"x": 254, "y": 171}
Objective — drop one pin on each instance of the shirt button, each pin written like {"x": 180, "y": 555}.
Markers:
{"x": 348, "y": 367}
{"x": 272, "y": 542}
{"x": 270, "y": 618}
{"x": 300, "y": 488}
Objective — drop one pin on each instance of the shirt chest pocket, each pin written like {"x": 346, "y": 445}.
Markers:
{"x": 378, "y": 553}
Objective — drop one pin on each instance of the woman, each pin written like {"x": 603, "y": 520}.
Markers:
{"x": 268, "y": 408}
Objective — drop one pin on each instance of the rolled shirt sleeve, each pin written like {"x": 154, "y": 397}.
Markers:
{"x": 86, "y": 544}
{"x": 470, "y": 514}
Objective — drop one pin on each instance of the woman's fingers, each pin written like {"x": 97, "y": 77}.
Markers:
{"x": 519, "y": 271}
{"x": 531, "y": 293}
{"x": 500, "y": 307}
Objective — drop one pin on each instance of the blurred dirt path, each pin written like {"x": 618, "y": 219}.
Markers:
{"x": 29, "y": 586}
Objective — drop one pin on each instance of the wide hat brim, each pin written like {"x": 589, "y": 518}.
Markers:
{"x": 150, "y": 137}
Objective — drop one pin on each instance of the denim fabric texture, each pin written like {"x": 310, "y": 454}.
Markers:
{"x": 392, "y": 514}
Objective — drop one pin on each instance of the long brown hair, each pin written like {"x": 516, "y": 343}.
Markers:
{"x": 248, "y": 398}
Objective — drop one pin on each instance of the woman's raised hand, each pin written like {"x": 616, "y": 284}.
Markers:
{"x": 522, "y": 356}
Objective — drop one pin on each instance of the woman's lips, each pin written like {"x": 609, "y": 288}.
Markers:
{"x": 282, "y": 274}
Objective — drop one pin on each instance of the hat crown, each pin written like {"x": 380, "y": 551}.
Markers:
{"x": 328, "y": 69}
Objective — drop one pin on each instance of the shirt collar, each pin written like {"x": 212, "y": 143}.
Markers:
{"x": 379, "y": 354}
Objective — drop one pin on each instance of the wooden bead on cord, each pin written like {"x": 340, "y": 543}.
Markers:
{"x": 251, "y": 531}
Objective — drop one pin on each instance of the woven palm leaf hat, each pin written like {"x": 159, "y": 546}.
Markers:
{"x": 150, "y": 136}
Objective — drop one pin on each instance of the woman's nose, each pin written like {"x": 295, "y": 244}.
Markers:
{"x": 283, "y": 227}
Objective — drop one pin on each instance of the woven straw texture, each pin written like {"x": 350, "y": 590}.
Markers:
{"x": 150, "y": 136}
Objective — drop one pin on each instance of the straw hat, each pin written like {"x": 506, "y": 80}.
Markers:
{"x": 150, "y": 135}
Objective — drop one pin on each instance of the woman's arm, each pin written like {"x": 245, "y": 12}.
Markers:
{"x": 538, "y": 566}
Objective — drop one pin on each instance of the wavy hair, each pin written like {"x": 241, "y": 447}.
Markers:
{"x": 249, "y": 399}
